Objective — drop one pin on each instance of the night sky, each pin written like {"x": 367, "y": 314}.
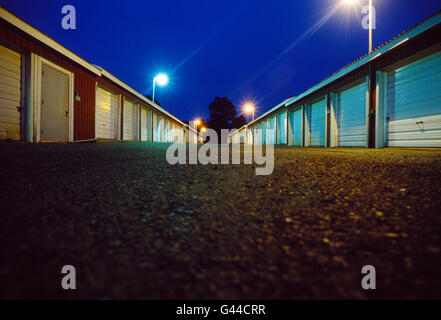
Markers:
{"x": 264, "y": 51}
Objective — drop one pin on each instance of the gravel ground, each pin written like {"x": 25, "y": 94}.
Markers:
{"x": 136, "y": 227}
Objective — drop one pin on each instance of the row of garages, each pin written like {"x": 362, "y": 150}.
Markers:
{"x": 49, "y": 94}
{"x": 389, "y": 98}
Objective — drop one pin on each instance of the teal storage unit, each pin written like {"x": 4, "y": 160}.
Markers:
{"x": 296, "y": 121}
{"x": 413, "y": 93}
{"x": 317, "y": 118}
{"x": 281, "y": 128}
{"x": 351, "y": 116}
{"x": 272, "y": 131}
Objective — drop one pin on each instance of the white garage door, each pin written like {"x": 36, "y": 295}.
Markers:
{"x": 351, "y": 117}
{"x": 106, "y": 117}
{"x": 317, "y": 123}
{"x": 414, "y": 104}
{"x": 10, "y": 93}
{"x": 130, "y": 121}
{"x": 145, "y": 120}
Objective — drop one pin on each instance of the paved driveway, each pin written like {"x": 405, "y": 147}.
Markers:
{"x": 135, "y": 227}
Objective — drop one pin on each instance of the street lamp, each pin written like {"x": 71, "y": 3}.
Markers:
{"x": 348, "y": 2}
{"x": 203, "y": 129}
{"x": 249, "y": 108}
{"x": 162, "y": 80}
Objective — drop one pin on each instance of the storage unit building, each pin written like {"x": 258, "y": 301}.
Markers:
{"x": 388, "y": 98}
{"x": 49, "y": 94}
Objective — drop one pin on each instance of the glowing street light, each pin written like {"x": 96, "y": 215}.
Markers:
{"x": 249, "y": 108}
{"x": 203, "y": 129}
{"x": 349, "y": 2}
{"x": 197, "y": 122}
{"x": 162, "y": 80}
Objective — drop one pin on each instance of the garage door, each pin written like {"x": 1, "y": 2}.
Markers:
{"x": 145, "y": 120}
{"x": 158, "y": 128}
{"x": 317, "y": 123}
{"x": 272, "y": 133}
{"x": 106, "y": 118}
{"x": 130, "y": 121}
{"x": 351, "y": 116}
{"x": 414, "y": 104}
{"x": 296, "y": 118}
{"x": 165, "y": 131}
{"x": 281, "y": 128}
{"x": 264, "y": 133}
{"x": 10, "y": 93}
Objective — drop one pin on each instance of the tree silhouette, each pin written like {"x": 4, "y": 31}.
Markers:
{"x": 222, "y": 114}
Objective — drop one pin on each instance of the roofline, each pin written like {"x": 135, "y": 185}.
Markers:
{"x": 110, "y": 76}
{"x": 423, "y": 26}
{"x": 33, "y": 32}
{"x": 397, "y": 41}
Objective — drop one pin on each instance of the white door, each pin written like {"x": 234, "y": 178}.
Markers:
{"x": 317, "y": 123}
{"x": 414, "y": 104}
{"x": 351, "y": 117}
{"x": 54, "y": 105}
{"x": 130, "y": 121}
{"x": 106, "y": 114}
{"x": 10, "y": 94}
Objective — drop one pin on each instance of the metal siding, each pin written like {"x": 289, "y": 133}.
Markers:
{"x": 10, "y": 94}
{"x": 317, "y": 118}
{"x": 272, "y": 133}
{"x": 351, "y": 117}
{"x": 281, "y": 127}
{"x": 414, "y": 104}
{"x": 144, "y": 124}
{"x": 296, "y": 125}
{"x": 130, "y": 121}
{"x": 106, "y": 114}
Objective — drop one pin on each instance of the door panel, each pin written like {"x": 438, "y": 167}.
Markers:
{"x": 130, "y": 121}
{"x": 106, "y": 116}
{"x": 351, "y": 117}
{"x": 414, "y": 104}
{"x": 10, "y": 94}
{"x": 54, "y": 105}
{"x": 297, "y": 127}
{"x": 317, "y": 118}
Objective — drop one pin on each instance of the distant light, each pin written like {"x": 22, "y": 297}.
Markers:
{"x": 197, "y": 122}
{"x": 249, "y": 108}
{"x": 203, "y": 129}
{"x": 161, "y": 79}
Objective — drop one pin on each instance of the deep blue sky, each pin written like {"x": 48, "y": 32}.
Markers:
{"x": 220, "y": 48}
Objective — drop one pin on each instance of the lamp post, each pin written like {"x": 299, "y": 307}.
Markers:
{"x": 370, "y": 26}
{"x": 162, "y": 80}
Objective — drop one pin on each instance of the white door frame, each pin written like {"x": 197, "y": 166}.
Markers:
{"x": 37, "y": 68}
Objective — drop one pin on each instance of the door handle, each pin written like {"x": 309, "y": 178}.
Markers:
{"x": 419, "y": 122}
{"x": 67, "y": 113}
